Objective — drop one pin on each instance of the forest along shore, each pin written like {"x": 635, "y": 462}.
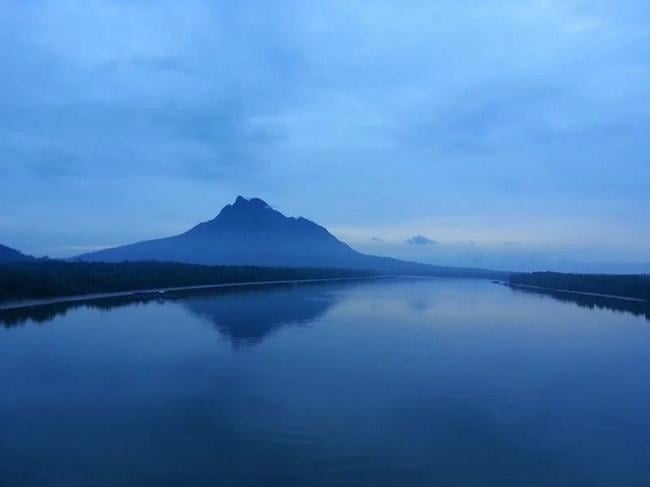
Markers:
{"x": 54, "y": 281}
{"x": 627, "y": 287}
{"x": 164, "y": 291}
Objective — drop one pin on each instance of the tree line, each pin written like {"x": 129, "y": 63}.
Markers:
{"x": 30, "y": 280}
{"x": 629, "y": 286}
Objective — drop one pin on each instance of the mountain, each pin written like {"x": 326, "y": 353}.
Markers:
{"x": 250, "y": 232}
{"x": 7, "y": 254}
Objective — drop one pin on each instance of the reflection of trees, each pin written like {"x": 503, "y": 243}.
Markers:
{"x": 44, "y": 313}
{"x": 243, "y": 315}
{"x": 637, "y": 308}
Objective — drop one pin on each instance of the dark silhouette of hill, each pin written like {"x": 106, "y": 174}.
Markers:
{"x": 250, "y": 232}
{"x": 7, "y": 254}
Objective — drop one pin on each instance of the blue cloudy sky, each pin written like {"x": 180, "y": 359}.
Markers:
{"x": 509, "y": 133}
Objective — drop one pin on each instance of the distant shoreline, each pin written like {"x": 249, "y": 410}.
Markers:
{"x": 569, "y": 291}
{"x": 35, "y": 283}
{"x": 161, "y": 292}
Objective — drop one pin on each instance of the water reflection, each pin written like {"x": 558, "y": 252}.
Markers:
{"x": 636, "y": 308}
{"x": 45, "y": 313}
{"x": 248, "y": 318}
{"x": 411, "y": 382}
{"x": 245, "y": 316}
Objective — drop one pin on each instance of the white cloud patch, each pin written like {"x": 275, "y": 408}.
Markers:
{"x": 420, "y": 240}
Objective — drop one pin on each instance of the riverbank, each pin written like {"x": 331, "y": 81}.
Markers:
{"x": 164, "y": 292}
{"x": 53, "y": 281}
{"x": 625, "y": 287}
{"x": 579, "y": 293}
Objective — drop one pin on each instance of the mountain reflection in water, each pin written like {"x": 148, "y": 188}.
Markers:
{"x": 378, "y": 383}
{"x": 248, "y": 315}
{"x": 245, "y": 316}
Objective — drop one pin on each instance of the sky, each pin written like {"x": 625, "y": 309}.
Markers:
{"x": 510, "y": 134}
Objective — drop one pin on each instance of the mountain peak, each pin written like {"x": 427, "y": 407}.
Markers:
{"x": 250, "y": 232}
{"x": 242, "y": 202}
{"x": 248, "y": 219}
{"x": 244, "y": 213}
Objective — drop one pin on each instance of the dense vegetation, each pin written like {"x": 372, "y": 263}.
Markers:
{"x": 629, "y": 286}
{"x": 53, "y": 278}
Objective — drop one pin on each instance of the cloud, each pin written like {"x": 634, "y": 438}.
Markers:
{"x": 420, "y": 240}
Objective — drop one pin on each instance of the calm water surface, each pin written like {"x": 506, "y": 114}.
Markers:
{"x": 385, "y": 383}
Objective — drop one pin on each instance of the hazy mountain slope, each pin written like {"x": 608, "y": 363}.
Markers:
{"x": 250, "y": 232}
{"x": 7, "y": 254}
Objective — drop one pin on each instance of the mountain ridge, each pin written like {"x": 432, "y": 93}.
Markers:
{"x": 251, "y": 232}
{"x": 8, "y": 254}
